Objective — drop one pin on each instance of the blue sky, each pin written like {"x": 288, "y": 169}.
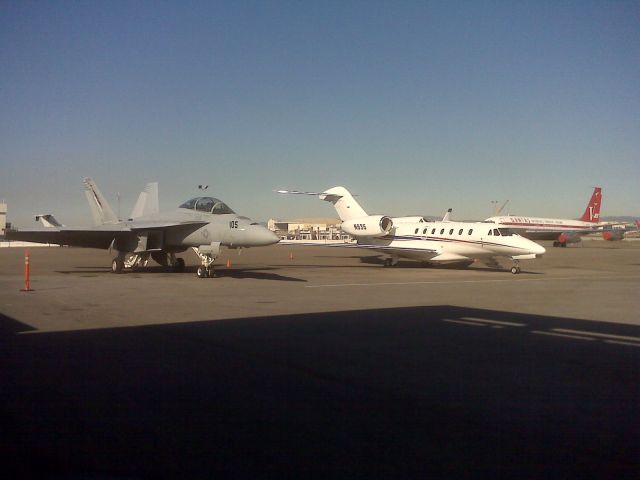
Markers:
{"x": 414, "y": 106}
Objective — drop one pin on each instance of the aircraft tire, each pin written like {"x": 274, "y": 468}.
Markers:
{"x": 210, "y": 272}
{"x": 202, "y": 272}
{"x": 117, "y": 265}
{"x": 179, "y": 266}
{"x": 515, "y": 270}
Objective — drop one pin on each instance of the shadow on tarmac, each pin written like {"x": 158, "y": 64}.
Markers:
{"x": 393, "y": 393}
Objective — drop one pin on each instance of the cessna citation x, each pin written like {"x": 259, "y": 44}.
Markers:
{"x": 204, "y": 223}
{"x": 439, "y": 243}
{"x": 560, "y": 230}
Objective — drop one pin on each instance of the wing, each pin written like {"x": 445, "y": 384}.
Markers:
{"x": 98, "y": 237}
{"x": 101, "y": 236}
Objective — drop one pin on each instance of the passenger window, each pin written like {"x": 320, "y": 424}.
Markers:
{"x": 460, "y": 232}
{"x": 433, "y": 231}
{"x": 416, "y": 231}
{"x": 441, "y": 231}
{"x": 451, "y": 232}
{"x": 424, "y": 231}
{"x": 470, "y": 231}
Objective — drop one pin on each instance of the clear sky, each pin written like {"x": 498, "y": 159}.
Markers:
{"x": 414, "y": 106}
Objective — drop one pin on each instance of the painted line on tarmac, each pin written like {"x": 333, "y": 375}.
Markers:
{"x": 494, "y": 322}
{"x": 597, "y": 334}
{"x": 562, "y": 335}
{"x": 475, "y": 324}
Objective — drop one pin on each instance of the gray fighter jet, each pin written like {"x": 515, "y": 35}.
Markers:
{"x": 204, "y": 223}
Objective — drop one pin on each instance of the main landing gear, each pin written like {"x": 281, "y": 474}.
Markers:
{"x": 391, "y": 261}
{"x": 516, "y": 267}
{"x": 131, "y": 261}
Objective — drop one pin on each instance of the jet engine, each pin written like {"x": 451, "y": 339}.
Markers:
{"x": 371, "y": 226}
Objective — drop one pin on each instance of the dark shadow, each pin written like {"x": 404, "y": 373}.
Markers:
{"x": 392, "y": 393}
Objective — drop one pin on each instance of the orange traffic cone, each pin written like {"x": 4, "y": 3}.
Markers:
{"x": 229, "y": 263}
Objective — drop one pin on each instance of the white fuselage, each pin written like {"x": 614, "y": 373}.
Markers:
{"x": 450, "y": 242}
{"x": 543, "y": 228}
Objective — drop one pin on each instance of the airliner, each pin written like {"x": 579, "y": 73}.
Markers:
{"x": 561, "y": 231}
{"x": 438, "y": 243}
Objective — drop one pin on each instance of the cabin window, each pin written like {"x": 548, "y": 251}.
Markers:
{"x": 451, "y": 232}
{"x": 442, "y": 231}
{"x": 424, "y": 231}
{"x": 470, "y": 231}
{"x": 460, "y": 232}
{"x": 433, "y": 231}
{"x": 416, "y": 231}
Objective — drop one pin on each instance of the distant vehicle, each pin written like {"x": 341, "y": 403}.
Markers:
{"x": 561, "y": 231}
{"x": 439, "y": 243}
{"x": 204, "y": 223}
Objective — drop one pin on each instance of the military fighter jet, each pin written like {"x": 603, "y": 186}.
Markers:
{"x": 204, "y": 223}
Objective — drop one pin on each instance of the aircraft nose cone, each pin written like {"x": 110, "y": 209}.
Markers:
{"x": 538, "y": 249}
{"x": 264, "y": 237}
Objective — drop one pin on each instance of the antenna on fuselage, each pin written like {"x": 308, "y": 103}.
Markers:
{"x": 203, "y": 187}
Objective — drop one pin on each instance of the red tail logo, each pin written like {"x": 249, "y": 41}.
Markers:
{"x": 592, "y": 213}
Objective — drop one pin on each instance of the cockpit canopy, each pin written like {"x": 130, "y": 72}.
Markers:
{"x": 207, "y": 205}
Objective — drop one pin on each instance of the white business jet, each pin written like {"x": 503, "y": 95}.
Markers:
{"x": 438, "y": 243}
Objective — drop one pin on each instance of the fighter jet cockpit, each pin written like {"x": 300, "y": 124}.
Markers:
{"x": 207, "y": 205}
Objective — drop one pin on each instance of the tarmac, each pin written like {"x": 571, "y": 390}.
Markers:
{"x": 311, "y": 361}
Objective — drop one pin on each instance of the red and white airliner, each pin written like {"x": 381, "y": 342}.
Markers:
{"x": 561, "y": 231}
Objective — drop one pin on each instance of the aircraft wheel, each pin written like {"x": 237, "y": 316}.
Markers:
{"x": 210, "y": 272}
{"x": 117, "y": 265}
{"x": 388, "y": 262}
{"x": 515, "y": 270}
{"x": 179, "y": 266}
{"x": 202, "y": 272}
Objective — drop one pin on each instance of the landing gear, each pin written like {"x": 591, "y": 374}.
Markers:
{"x": 206, "y": 272}
{"x": 390, "y": 262}
{"x": 117, "y": 265}
{"x": 207, "y": 254}
{"x": 516, "y": 267}
{"x": 178, "y": 265}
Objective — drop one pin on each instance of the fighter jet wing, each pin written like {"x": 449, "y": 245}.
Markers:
{"x": 100, "y": 236}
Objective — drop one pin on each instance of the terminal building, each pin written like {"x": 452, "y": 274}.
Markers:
{"x": 308, "y": 229}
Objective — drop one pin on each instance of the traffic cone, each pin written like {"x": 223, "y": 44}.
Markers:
{"x": 229, "y": 263}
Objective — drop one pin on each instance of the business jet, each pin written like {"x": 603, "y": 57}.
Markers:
{"x": 562, "y": 231}
{"x": 437, "y": 243}
{"x": 204, "y": 223}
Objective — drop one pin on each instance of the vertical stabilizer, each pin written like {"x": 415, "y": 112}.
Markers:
{"x": 343, "y": 201}
{"x": 592, "y": 212}
{"x": 100, "y": 209}
{"x": 147, "y": 202}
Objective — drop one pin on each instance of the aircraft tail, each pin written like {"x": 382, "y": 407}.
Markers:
{"x": 147, "y": 201}
{"x": 344, "y": 203}
{"x": 592, "y": 212}
{"x": 100, "y": 209}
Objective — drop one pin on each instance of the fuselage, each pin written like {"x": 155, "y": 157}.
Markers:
{"x": 449, "y": 240}
{"x": 544, "y": 228}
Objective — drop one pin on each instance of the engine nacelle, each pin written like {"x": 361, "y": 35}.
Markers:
{"x": 371, "y": 226}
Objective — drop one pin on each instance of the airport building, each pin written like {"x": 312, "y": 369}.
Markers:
{"x": 308, "y": 229}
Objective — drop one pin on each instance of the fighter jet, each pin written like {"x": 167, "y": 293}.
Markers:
{"x": 204, "y": 223}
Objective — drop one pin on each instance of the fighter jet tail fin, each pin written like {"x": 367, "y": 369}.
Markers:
{"x": 100, "y": 209}
{"x": 147, "y": 201}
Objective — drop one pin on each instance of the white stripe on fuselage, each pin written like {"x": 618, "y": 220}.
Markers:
{"x": 542, "y": 224}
